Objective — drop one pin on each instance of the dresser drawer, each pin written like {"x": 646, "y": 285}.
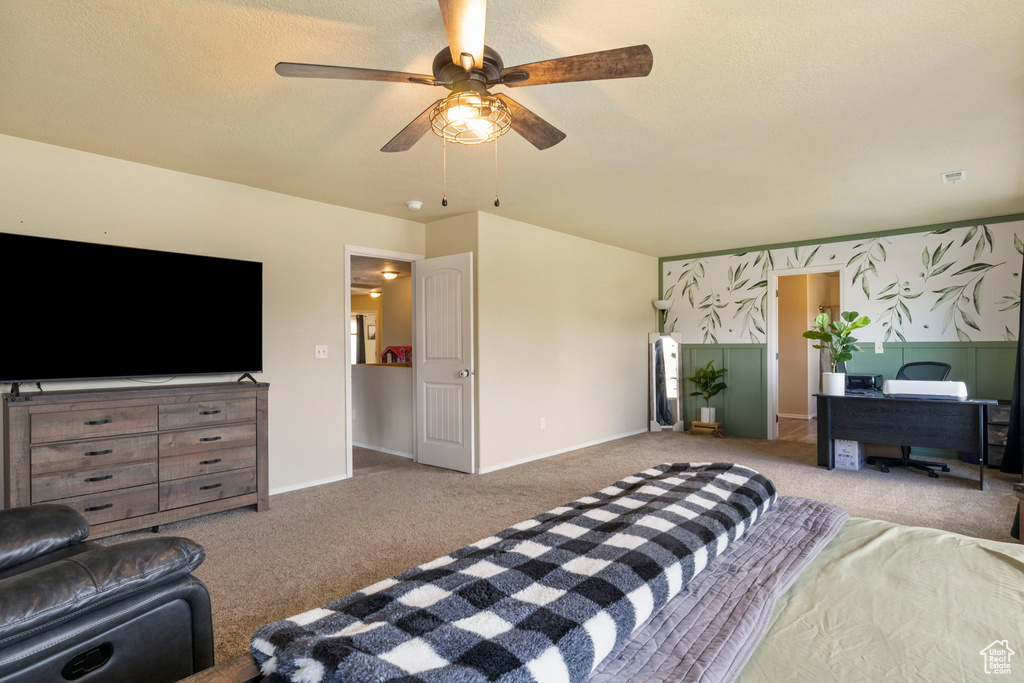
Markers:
{"x": 195, "y": 490}
{"x": 98, "y": 508}
{"x": 75, "y": 456}
{"x": 207, "y": 413}
{"x": 83, "y": 424}
{"x": 207, "y": 440}
{"x": 195, "y": 464}
{"x": 83, "y": 482}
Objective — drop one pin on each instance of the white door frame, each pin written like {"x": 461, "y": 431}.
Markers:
{"x": 350, "y": 251}
{"x": 772, "y": 336}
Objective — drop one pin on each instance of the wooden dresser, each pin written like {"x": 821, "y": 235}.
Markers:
{"x": 138, "y": 457}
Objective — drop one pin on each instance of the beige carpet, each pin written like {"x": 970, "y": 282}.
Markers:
{"x": 321, "y": 543}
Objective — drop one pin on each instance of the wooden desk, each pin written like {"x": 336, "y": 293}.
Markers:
{"x": 928, "y": 423}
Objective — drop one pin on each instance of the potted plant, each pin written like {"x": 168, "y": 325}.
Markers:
{"x": 839, "y": 344}
{"x": 706, "y": 379}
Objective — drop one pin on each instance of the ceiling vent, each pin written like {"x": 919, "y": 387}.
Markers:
{"x": 954, "y": 176}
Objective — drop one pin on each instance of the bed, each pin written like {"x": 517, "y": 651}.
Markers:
{"x": 822, "y": 598}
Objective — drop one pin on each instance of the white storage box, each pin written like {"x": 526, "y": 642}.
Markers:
{"x": 849, "y": 454}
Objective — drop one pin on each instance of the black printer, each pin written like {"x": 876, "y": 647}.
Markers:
{"x": 864, "y": 382}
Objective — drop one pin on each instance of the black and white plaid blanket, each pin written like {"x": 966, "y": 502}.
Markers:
{"x": 545, "y": 600}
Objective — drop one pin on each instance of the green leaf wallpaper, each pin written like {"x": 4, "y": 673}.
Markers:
{"x": 953, "y": 284}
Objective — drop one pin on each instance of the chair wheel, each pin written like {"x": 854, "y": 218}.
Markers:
{"x": 884, "y": 469}
{"x": 932, "y": 474}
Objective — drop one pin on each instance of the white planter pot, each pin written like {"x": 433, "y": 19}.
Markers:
{"x": 834, "y": 383}
{"x": 707, "y": 414}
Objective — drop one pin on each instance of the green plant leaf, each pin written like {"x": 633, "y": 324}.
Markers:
{"x": 978, "y": 248}
{"x": 988, "y": 238}
{"x": 977, "y": 295}
{"x": 962, "y": 336}
{"x": 865, "y": 287}
{"x": 926, "y": 258}
{"x": 976, "y": 268}
{"x": 969, "y": 320}
{"x": 970, "y": 235}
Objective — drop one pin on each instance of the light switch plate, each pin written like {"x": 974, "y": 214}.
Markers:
{"x": 878, "y": 347}
{"x": 320, "y": 351}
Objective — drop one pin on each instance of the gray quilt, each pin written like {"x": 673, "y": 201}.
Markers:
{"x": 709, "y": 631}
{"x": 545, "y": 600}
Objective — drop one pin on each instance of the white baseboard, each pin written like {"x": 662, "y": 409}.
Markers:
{"x": 541, "y": 456}
{"x": 792, "y": 416}
{"x": 384, "y": 450}
{"x": 308, "y": 484}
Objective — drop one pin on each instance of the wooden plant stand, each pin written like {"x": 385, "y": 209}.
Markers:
{"x": 706, "y": 428}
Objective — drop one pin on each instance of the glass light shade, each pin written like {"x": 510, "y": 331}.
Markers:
{"x": 470, "y": 118}
{"x": 374, "y": 295}
{"x": 389, "y": 274}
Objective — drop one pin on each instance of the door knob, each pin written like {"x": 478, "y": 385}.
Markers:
{"x": 464, "y": 374}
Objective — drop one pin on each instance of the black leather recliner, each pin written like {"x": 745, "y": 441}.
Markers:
{"x": 75, "y": 610}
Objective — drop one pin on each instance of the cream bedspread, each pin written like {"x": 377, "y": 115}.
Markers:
{"x": 885, "y": 602}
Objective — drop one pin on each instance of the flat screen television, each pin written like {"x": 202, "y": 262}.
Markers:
{"x": 92, "y": 311}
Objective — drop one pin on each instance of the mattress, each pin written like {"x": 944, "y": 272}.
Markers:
{"x": 895, "y": 603}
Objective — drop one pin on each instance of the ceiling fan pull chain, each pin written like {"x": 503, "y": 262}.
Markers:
{"x": 496, "y": 202}
{"x": 444, "y": 172}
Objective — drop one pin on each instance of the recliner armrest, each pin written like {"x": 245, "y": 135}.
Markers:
{"x": 66, "y": 588}
{"x": 28, "y": 532}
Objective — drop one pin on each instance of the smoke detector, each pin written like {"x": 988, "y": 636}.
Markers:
{"x": 954, "y": 176}
{"x": 414, "y": 205}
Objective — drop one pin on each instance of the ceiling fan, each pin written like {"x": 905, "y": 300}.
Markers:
{"x": 470, "y": 114}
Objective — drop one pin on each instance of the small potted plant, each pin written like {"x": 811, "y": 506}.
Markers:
{"x": 707, "y": 380}
{"x": 839, "y": 344}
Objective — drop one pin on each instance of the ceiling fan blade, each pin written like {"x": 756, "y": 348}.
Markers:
{"x": 625, "y": 62}
{"x": 411, "y": 134}
{"x": 293, "y": 70}
{"x": 465, "y": 23}
{"x": 536, "y": 130}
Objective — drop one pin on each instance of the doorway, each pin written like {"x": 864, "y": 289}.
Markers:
{"x": 378, "y": 347}
{"x": 410, "y": 389}
{"x": 794, "y": 367}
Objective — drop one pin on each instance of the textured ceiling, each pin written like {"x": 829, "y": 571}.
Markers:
{"x": 762, "y": 121}
{"x": 366, "y": 271}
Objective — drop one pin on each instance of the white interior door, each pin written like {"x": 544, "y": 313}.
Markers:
{"x": 443, "y": 361}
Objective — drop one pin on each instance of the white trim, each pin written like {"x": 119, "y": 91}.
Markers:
{"x": 383, "y": 450}
{"x": 350, "y": 251}
{"x": 793, "y": 416}
{"x": 772, "y": 331}
{"x": 523, "y": 461}
{"x": 309, "y": 484}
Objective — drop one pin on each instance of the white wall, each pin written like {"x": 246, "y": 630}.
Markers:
{"x": 562, "y": 334}
{"x": 382, "y": 401}
{"x": 57, "y": 192}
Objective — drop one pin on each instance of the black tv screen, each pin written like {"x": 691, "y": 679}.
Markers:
{"x": 89, "y": 311}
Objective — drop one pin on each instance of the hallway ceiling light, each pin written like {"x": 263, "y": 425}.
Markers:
{"x": 389, "y": 274}
{"x": 375, "y": 295}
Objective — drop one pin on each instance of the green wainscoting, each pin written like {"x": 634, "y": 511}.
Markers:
{"x": 986, "y": 368}
{"x": 744, "y": 405}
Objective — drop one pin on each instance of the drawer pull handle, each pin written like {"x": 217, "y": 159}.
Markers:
{"x": 210, "y": 462}
{"x": 211, "y": 486}
{"x": 210, "y": 438}
{"x": 109, "y": 450}
{"x": 103, "y": 478}
{"x": 94, "y": 508}
{"x": 93, "y": 423}
{"x": 210, "y": 412}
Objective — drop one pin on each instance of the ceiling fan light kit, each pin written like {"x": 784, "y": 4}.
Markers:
{"x": 470, "y": 118}
{"x": 468, "y": 67}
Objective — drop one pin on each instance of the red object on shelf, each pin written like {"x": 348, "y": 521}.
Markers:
{"x": 396, "y": 354}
